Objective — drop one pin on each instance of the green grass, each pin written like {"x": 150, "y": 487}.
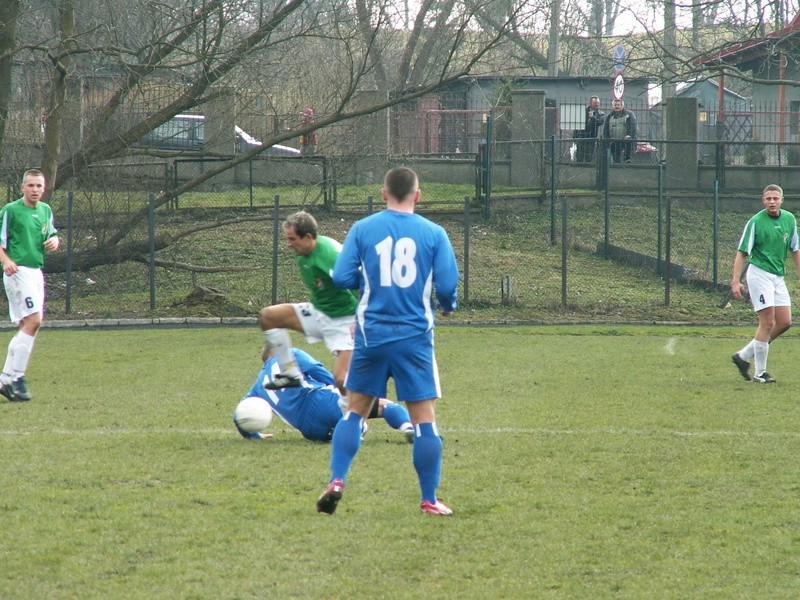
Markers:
{"x": 581, "y": 462}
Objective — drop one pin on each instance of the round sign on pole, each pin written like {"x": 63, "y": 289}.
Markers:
{"x": 619, "y": 59}
{"x": 619, "y": 87}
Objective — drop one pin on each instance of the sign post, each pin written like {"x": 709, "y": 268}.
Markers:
{"x": 618, "y": 89}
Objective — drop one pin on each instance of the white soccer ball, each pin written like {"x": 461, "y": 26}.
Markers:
{"x": 252, "y": 414}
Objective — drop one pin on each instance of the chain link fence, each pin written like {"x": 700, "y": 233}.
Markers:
{"x": 562, "y": 252}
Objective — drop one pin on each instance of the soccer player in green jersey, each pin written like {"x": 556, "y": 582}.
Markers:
{"x": 330, "y": 316}
{"x": 26, "y": 231}
{"x": 766, "y": 239}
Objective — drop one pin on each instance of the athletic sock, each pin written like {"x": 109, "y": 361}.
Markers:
{"x": 761, "y": 351}
{"x": 281, "y": 345}
{"x": 747, "y": 352}
{"x": 395, "y": 415}
{"x": 19, "y": 354}
{"x": 427, "y": 455}
{"x": 345, "y": 444}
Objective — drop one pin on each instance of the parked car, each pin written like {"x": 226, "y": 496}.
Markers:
{"x": 187, "y": 132}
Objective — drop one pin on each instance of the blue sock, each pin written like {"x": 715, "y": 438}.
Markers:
{"x": 395, "y": 415}
{"x": 427, "y": 454}
{"x": 345, "y": 444}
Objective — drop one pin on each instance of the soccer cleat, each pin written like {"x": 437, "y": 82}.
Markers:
{"x": 283, "y": 380}
{"x": 408, "y": 430}
{"x": 20, "y": 389}
{"x": 435, "y": 508}
{"x": 742, "y": 365}
{"x": 330, "y": 497}
{"x": 763, "y": 378}
{"x": 7, "y": 391}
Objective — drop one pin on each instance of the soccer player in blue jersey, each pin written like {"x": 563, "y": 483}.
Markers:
{"x": 397, "y": 259}
{"x": 314, "y": 407}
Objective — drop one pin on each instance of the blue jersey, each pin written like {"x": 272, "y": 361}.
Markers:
{"x": 313, "y": 409}
{"x": 397, "y": 260}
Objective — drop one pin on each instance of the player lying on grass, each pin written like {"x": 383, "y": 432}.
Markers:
{"x": 316, "y": 406}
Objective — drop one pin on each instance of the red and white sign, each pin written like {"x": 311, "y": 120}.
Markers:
{"x": 619, "y": 87}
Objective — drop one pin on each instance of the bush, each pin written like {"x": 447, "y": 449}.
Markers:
{"x": 793, "y": 156}
{"x": 755, "y": 153}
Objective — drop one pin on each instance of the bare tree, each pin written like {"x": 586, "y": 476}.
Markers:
{"x": 8, "y": 32}
{"x": 195, "y": 50}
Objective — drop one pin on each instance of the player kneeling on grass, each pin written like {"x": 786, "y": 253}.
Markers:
{"x": 316, "y": 406}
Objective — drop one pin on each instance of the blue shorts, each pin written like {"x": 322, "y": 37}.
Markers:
{"x": 321, "y": 415}
{"x": 410, "y": 362}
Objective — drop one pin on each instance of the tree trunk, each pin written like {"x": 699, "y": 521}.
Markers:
{"x": 9, "y": 9}
{"x": 62, "y": 61}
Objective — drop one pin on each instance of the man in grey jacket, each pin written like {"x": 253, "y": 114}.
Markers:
{"x": 620, "y": 129}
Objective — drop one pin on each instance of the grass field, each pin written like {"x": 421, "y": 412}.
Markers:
{"x": 581, "y": 462}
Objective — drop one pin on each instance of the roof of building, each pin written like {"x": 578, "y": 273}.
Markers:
{"x": 755, "y": 49}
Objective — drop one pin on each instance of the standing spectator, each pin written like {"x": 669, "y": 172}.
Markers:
{"x": 592, "y": 125}
{"x": 398, "y": 259}
{"x": 620, "y": 129}
{"x": 26, "y": 231}
{"x": 766, "y": 239}
{"x": 328, "y": 317}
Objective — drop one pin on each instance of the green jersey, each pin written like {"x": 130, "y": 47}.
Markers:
{"x": 24, "y": 230}
{"x": 316, "y": 269}
{"x": 767, "y": 240}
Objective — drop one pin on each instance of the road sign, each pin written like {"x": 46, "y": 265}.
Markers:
{"x": 619, "y": 59}
{"x": 619, "y": 87}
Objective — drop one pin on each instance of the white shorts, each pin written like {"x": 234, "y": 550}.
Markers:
{"x": 25, "y": 293}
{"x": 336, "y": 332}
{"x": 766, "y": 289}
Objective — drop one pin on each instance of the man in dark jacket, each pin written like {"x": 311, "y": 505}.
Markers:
{"x": 592, "y": 124}
{"x": 620, "y": 129}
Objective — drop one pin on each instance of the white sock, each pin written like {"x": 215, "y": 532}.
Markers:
{"x": 281, "y": 345}
{"x": 761, "y": 351}
{"x": 748, "y": 351}
{"x": 19, "y": 353}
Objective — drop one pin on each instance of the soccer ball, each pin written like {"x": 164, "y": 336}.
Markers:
{"x": 252, "y": 414}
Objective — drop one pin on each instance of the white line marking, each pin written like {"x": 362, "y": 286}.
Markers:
{"x": 722, "y": 433}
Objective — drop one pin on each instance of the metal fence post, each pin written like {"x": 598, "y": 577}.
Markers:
{"x": 151, "y": 260}
{"x": 715, "y": 221}
{"x": 250, "y": 180}
{"x": 466, "y": 249}
{"x": 668, "y": 253}
{"x": 487, "y": 182}
{"x": 564, "y": 252}
{"x": 553, "y": 172}
{"x": 660, "y": 233}
{"x": 68, "y": 262}
{"x": 607, "y": 211}
{"x": 174, "y": 201}
{"x": 275, "y": 242}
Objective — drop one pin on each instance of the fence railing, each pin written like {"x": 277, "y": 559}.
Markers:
{"x": 588, "y": 254}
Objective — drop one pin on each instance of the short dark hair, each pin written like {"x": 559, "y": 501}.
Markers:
{"x": 303, "y": 224}
{"x": 400, "y": 182}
